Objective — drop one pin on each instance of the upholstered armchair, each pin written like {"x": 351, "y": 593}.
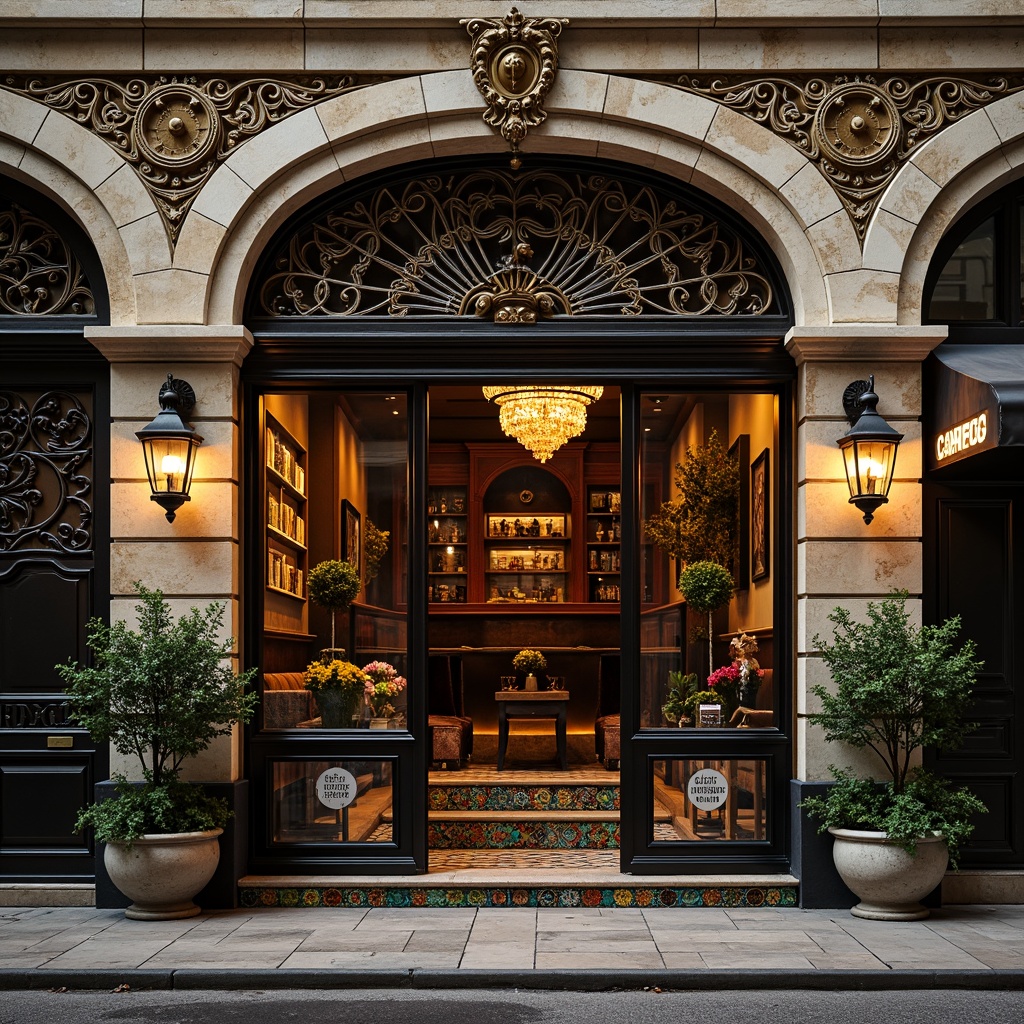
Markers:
{"x": 607, "y": 726}
{"x": 451, "y": 732}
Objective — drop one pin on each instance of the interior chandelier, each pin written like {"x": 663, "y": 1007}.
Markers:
{"x": 542, "y": 417}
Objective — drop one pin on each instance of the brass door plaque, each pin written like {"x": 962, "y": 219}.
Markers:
{"x": 60, "y": 742}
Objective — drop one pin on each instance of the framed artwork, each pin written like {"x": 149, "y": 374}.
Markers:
{"x": 351, "y": 535}
{"x": 740, "y": 569}
{"x": 760, "y": 515}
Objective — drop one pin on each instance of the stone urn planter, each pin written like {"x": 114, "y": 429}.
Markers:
{"x": 889, "y": 881}
{"x": 162, "y": 874}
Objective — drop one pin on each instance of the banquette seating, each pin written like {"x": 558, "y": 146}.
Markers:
{"x": 451, "y": 732}
{"x": 286, "y": 701}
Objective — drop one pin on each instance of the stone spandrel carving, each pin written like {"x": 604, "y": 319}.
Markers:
{"x": 514, "y": 62}
{"x": 175, "y": 130}
{"x": 858, "y": 129}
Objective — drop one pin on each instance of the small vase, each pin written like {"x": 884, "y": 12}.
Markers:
{"x": 336, "y": 709}
{"x": 531, "y": 682}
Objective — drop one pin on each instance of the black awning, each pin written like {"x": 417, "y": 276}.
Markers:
{"x": 976, "y": 401}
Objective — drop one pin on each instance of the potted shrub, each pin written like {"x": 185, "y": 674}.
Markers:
{"x": 681, "y": 686}
{"x": 898, "y": 688}
{"x": 334, "y": 585}
{"x": 706, "y": 587}
{"x": 160, "y": 693}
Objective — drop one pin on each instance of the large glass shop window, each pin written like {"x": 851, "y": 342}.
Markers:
{"x": 706, "y": 572}
{"x": 335, "y": 512}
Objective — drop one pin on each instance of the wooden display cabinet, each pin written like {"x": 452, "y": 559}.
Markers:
{"x": 285, "y": 512}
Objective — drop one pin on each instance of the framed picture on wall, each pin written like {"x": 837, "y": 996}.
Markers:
{"x": 740, "y": 569}
{"x": 760, "y": 517}
{"x": 351, "y": 535}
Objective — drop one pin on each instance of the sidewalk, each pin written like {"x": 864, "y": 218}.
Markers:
{"x": 583, "y": 949}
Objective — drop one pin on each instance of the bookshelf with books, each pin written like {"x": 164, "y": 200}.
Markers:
{"x": 285, "y": 512}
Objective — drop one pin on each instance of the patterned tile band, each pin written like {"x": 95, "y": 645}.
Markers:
{"x": 523, "y": 798}
{"x": 629, "y": 896}
{"x": 522, "y": 835}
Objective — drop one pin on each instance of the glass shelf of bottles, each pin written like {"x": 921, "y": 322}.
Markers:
{"x": 604, "y": 537}
{"x": 526, "y": 558}
{"x": 446, "y": 545}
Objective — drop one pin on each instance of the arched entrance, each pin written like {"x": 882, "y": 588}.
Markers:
{"x": 378, "y": 316}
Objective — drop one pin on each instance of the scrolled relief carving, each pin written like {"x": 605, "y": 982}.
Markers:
{"x": 45, "y": 459}
{"x": 174, "y": 131}
{"x": 514, "y": 62}
{"x": 858, "y": 129}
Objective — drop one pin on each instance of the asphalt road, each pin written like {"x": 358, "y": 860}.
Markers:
{"x": 512, "y": 1007}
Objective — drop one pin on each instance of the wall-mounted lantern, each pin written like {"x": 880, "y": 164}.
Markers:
{"x": 169, "y": 445}
{"x": 868, "y": 447}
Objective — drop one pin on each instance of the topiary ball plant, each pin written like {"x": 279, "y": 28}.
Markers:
{"x": 334, "y": 585}
{"x": 706, "y": 587}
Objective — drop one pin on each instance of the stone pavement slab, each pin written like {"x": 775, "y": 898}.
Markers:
{"x": 581, "y": 948}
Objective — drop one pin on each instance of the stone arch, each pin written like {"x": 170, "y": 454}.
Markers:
{"x": 960, "y": 166}
{"x": 93, "y": 185}
{"x": 763, "y": 179}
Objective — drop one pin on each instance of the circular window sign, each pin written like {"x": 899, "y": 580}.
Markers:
{"x": 336, "y": 788}
{"x": 707, "y": 789}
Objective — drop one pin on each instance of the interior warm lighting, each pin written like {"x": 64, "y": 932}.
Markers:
{"x": 542, "y": 417}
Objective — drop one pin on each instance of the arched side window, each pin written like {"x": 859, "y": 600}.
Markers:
{"x": 974, "y": 282}
{"x": 560, "y": 240}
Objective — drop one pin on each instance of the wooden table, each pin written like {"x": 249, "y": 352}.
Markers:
{"x": 532, "y": 704}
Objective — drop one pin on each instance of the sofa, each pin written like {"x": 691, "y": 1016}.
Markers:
{"x": 286, "y": 701}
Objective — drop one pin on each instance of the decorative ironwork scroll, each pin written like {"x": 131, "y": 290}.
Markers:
{"x": 514, "y": 63}
{"x": 434, "y": 246}
{"x": 45, "y": 467}
{"x": 174, "y": 131}
{"x": 858, "y": 129}
{"x": 39, "y": 274}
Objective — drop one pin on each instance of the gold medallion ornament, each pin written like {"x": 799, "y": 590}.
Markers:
{"x": 857, "y": 124}
{"x": 176, "y": 125}
{"x": 514, "y": 64}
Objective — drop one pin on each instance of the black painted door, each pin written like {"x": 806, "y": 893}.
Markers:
{"x": 974, "y": 568}
{"x": 54, "y": 552}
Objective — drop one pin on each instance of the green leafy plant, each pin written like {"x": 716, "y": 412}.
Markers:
{"x": 375, "y": 547}
{"x": 529, "y": 661}
{"x": 702, "y": 523}
{"x": 334, "y": 585}
{"x": 898, "y": 688}
{"x": 706, "y": 587}
{"x": 161, "y": 694}
{"x": 680, "y": 687}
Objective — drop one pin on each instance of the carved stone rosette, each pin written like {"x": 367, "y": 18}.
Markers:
{"x": 858, "y": 129}
{"x": 514, "y": 63}
{"x": 175, "y": 130}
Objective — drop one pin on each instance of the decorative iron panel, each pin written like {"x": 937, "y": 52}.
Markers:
{"x": 471, "y": 242}
{"x": 45, "y": 471}
{"x": 39, "y": 274}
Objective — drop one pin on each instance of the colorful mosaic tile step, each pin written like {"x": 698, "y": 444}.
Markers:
{"x": 523, "y": 798}
{"x": 553, "y": 896}
{"x": 522, "y": 835}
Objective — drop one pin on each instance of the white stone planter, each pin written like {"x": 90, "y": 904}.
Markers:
{"x": 889, "y": 881}
{"x": 161, "y": 874}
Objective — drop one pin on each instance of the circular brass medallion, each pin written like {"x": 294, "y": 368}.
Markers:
{"x": 857, "y": 124}
{"x": 514, "y": 71}
{"x": 176, "y": 125}
{"x": 526, "y": 497}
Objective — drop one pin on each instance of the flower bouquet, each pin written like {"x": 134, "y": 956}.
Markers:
{"x": 338, "y": 687}
{"x": 531, "y": 662}
{"x": 383, "y": 684}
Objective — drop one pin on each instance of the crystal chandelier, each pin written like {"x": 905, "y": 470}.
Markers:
{"x": 542, "y": 417}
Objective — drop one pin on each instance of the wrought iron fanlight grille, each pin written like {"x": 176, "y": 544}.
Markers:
{"x": 516, "y": 247}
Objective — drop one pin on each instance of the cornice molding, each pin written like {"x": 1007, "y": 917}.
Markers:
{"x": 876, "y": 343}
{"x": 184, "y": 343}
